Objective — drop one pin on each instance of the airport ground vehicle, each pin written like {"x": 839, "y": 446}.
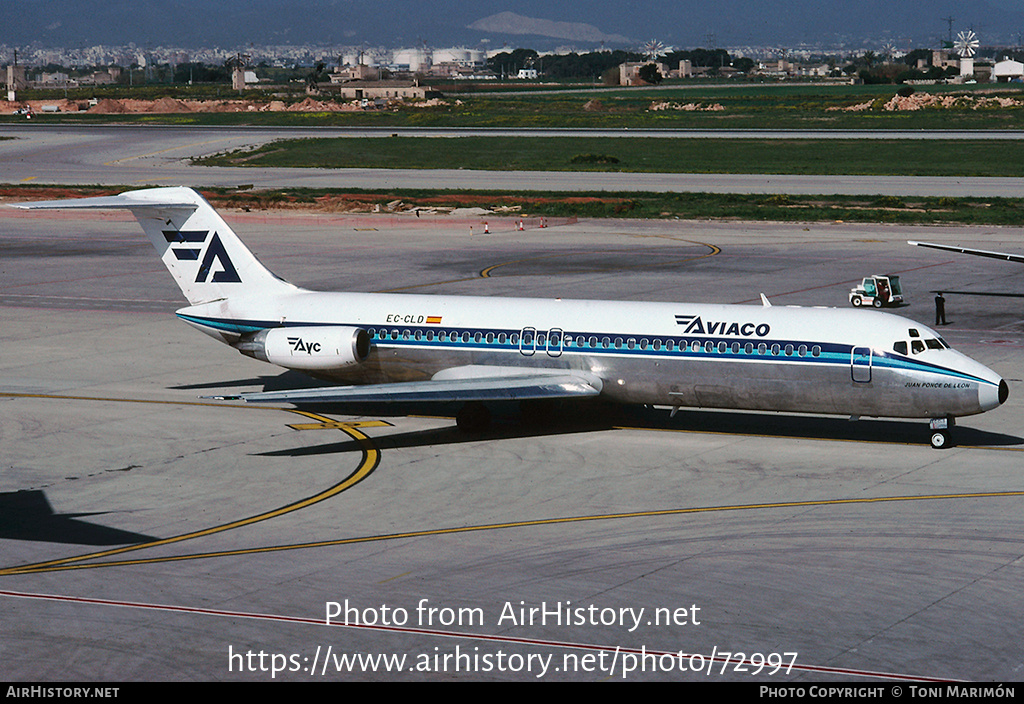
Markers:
{"x": 877, "y": 291}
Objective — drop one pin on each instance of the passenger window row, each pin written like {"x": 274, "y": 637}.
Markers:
{"x": 583, "y": 342}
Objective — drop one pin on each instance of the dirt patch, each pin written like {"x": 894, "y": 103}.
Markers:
{"x": 167, "y": 105}
{"x": 26, "y": 193}
{"x": 334, "y": 202}
{"x": 108, "y": 106}
{"x": 923, "y": 101}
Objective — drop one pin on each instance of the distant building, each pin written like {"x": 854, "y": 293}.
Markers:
{"x": 1008, "y": 70}
{"x": 370, "y": 90}
{"x": 15, "y": 77}
{"x": 415, "y": 60}
{"x": 819, "y": 71}
{"x": 461, "y": 56}
{"x": 57, "y": 78}
{"x": 242, "y": 77}
{"x": 101, "y": 78}
{"x": 779, "y": 68}
{"x": 629, "y": 72}
{"x": 361, "y": 72}
{"x": 15, "y": 81}
{"x": 449, "y": 69}
{"x": 527, "y": 73}
{"x": 943, "y": 60}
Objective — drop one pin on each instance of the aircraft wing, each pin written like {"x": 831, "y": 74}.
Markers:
{"x": 472, "y": 383}
{"x": 976, "y": 252}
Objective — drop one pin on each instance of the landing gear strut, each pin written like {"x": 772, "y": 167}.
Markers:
{"x": 942, "y": 432}
{"x": 473, "y": 417}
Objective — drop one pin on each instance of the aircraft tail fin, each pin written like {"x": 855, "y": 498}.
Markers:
{"x": 203, "y": 254}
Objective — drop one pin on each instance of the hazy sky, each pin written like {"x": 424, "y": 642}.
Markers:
{"x": 398, "y": 23}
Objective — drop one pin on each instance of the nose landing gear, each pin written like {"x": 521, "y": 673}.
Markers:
{"x": 942, "y": 432}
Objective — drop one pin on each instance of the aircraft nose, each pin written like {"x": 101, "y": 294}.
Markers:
{"x": 992, "y": 396}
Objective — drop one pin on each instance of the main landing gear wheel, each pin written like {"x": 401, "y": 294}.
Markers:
{"x": 941, "y": 439}
{"x": 473, "y": 417}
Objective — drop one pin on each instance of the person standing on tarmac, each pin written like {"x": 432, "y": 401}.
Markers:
{"x": 940, "y": 309}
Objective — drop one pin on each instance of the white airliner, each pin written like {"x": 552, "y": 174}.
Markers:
{"x": 399, "y": 347}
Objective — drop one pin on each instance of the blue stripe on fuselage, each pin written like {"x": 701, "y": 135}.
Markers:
{"x": 830, "y": 353}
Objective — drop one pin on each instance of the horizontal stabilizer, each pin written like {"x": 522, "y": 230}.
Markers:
{"x": 501, "y": 386}
{"x": 167, "y": 198}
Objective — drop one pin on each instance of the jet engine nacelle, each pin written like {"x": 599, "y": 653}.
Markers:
{"x": 317, "y": 348}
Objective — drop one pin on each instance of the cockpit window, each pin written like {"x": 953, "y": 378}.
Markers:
{"x": 900, "y": 347}
{"x": 916, "y": 346}
{"x": 914, "y": 333}
{"x": 933, "y": 344}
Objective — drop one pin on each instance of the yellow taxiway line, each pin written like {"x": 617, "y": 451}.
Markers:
{"x": 369, "y": 462}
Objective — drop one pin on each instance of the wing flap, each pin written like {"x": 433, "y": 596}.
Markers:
{"x": 522, "y": 384}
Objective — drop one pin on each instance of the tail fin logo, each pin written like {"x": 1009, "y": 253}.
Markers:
{"x": 187, "y": 245}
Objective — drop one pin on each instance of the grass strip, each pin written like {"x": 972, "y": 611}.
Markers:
{"x": 897, "y": 157}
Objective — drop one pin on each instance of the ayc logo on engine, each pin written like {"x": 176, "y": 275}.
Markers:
{"x": 299, "y": 346}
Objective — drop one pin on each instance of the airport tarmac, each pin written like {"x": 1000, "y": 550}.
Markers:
{"x": 161, "y": 155}
{"x": 149, "y": 534}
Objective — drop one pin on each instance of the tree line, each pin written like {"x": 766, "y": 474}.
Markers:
{"x": 595, "y": 64}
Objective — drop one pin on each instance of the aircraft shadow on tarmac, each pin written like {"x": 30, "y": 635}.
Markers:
{"x": 286, "y": 380}
{"x": 587, "y": 417}
{"x": 27, "y": 515}
{"x": 567, "y": 417}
